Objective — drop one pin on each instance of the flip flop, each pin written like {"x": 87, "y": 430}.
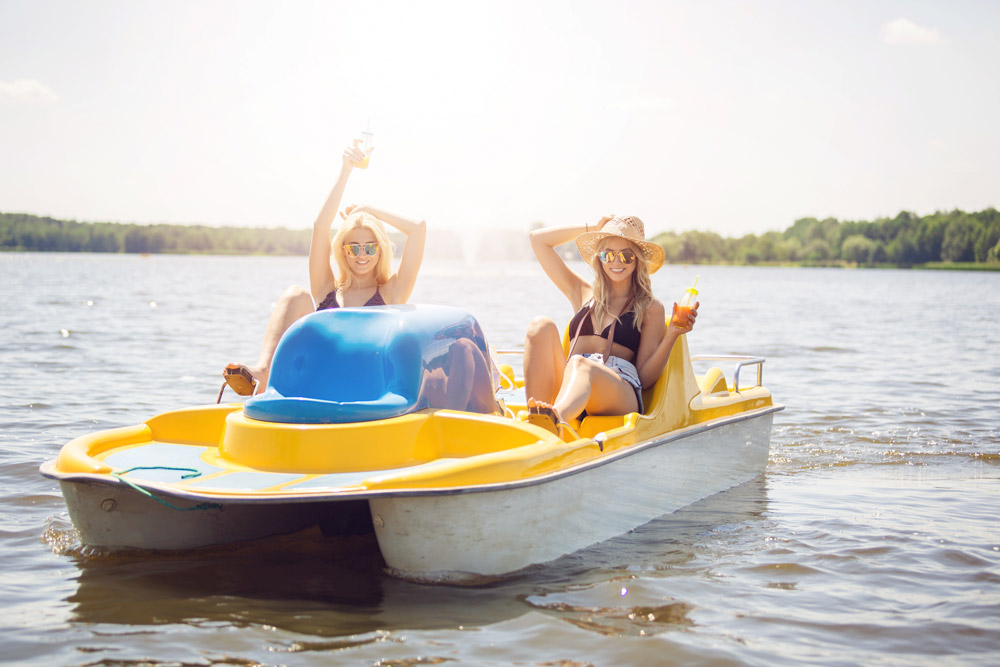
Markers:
{"x": 239, "y": 379}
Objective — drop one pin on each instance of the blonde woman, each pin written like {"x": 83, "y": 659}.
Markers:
{"x": 363, "y": 276}
{"x": 619, "y": 340}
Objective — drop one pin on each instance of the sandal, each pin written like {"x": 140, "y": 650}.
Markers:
{"x": 239, "y": 379}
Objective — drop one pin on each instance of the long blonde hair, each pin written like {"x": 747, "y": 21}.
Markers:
{"x": 383, "y": 266}
{"x": 642, "y": 287}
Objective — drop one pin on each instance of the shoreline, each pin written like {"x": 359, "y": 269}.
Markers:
{"x": 840, "y": 264}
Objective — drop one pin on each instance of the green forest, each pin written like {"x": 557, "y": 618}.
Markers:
{"x": 19, "y": 231}
{"x": 954, "y": 238}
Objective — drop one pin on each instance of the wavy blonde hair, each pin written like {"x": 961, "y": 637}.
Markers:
{"x": 642, "y": 287}
{"x": 383, "y": 266}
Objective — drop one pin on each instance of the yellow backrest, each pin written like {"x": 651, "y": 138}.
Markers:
{"x": 652, "y": 397}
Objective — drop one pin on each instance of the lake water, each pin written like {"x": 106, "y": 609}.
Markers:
{"x": 873, "y": 538}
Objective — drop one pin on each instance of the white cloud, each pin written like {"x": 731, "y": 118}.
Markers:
{"x": 27, "y": 90}
{"x": 905, "y": 31}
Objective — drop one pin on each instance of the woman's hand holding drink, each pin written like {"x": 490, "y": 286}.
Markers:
{"x": 686, "y": 311}
{"x": 366, "y": 147}
{"x": 684, "y": 316}
{"x": 360, "y": 151}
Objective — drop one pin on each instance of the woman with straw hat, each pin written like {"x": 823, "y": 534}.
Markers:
{"x": 620, "y": 341}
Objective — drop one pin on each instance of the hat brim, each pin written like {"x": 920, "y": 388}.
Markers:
{"x": 588, "y": 243}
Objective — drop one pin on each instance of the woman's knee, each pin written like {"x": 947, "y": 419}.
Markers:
{"x": 296, "y": 296}
{"x": 580, "y": 364}
{"x": 541, "y": 327}
{"x": 463, "y": 353}
{"x": 295, "y": 292}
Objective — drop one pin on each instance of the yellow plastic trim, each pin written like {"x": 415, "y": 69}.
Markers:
{"x": 193, "y": 426}
{"x": 78, "y": 455}
{"x": 377, "y": 445}
{"x": 714, "y": 382}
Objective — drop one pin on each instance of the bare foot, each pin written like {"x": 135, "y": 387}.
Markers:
{"x": 543, "y": 414}
{"x": 542, "y": 408}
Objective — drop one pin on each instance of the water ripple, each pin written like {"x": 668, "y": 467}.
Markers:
{"x": 871, "y": 540}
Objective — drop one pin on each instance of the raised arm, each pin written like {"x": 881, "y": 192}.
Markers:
{"x": 400, "y": 284}
{"x": 544, "y": 242}
{"x": 322, "y": 280}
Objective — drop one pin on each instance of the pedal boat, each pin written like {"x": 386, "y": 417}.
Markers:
{"x": 353, "y": 435}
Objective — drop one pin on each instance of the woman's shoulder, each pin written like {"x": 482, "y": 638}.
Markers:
{"x": 656, "y": 310}
{"x": 584, "y": 296}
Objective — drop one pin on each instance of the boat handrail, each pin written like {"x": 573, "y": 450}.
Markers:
{"x": 742, "y": 360}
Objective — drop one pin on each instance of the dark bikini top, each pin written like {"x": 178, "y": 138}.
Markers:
{"x": 625, "y": 334}
{"x": 331, "y": 300}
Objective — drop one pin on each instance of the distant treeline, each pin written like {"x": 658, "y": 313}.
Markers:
{"x": 20, "y": 231}
{"x": 906, "y": 240}
{"x": 954, "y": 237}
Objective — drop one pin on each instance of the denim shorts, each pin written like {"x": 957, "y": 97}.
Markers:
{"x": 626, "y": 370}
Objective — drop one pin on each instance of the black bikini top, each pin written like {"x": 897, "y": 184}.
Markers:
{"x": 626, "y": 333}
{"x": 331, "y": 300}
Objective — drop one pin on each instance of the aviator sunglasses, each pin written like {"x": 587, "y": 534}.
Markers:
{"x": 356, "y": 248}
{"x": 608, "y": 256}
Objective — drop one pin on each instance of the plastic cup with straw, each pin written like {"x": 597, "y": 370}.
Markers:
{"x": 682, "y": 310}
{"x": 367, "y": 146}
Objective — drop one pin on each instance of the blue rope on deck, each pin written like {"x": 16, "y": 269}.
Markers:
{"x": 191, "y": 472}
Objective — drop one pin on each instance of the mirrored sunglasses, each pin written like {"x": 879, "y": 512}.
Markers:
{"x": 356, "y": 248}
{"x": 625, "y": 256}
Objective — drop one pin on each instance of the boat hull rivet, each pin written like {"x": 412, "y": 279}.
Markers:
{"x": 108, "y": 505}
{"x": 377, "y": 520}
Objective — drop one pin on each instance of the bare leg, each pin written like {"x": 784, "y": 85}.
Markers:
{"x": 483, "y": 399}
{"x": 461, "y": 375}
{"x": 470, "y": 383}
{"x": 544, "y": 360}
{"x": 594, "y": 387}
{"x": 295, "y": 303}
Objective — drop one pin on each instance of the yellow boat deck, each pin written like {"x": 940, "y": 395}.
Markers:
{"x": 216, "y": 451}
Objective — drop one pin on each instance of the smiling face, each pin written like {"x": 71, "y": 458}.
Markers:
{"x": 361, "y": 228}
{"x": 363, "y": 263}
{"x": 617, "y": 271}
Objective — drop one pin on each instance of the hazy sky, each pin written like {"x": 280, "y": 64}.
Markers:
{"x": 736, "y": 117}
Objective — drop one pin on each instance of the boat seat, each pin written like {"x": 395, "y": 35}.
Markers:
{"x": 713, "y": 383}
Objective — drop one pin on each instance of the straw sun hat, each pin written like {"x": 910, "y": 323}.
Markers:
{"x": 629, "y": 228}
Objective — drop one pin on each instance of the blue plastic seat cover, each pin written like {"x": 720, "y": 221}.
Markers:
{"x": 362, "y": 364}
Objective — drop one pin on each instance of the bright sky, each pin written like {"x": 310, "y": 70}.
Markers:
{"x": 736, "y": 117}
